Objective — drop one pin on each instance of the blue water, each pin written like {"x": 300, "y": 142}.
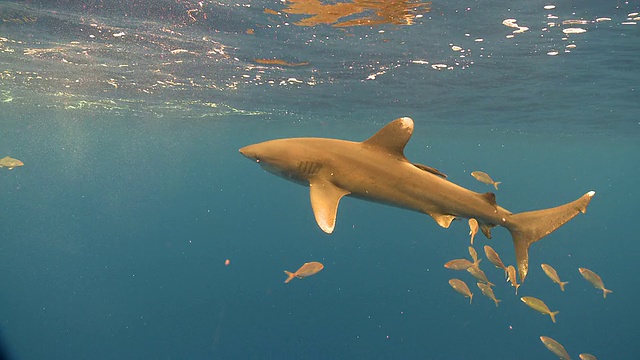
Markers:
{"x": 133, "y": 194}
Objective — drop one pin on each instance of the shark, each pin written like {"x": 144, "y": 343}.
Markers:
{"x": 377, "y": 170}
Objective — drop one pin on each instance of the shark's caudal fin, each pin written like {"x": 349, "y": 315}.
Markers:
{"x": 529, "y": 227}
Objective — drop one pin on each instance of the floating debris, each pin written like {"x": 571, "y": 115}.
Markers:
{"x": 510, "y": 23}
{"x": 456, "y": 48}
{"x": 575, "y": 22}
{"x": 279, "y": 62}
{"x": 356, "y": 13}
{"x": 271, "y": 12}
{"x": 521, "y": 29}
{"x": 601, "y": 19}
{"x": 549, "y": 7}
{"x": 553, "y": 53}
{"x": 574, "y": 30}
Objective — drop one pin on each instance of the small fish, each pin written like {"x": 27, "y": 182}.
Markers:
{"x": 493, "y": 256}
{"x": 479, "y": 274}
{"x": 473, "y": 228}
{"x": 553, "y": 275}
{"x": 595, "y": 280}
{"x": 485, "y": 178}
{"x": 10, "y": 162}
{"x": 473, "y": 254}
{"x": 488, "y": 292}
{"x": 540, "y": 306}
{"x": 555, "y": 347}
{"x": 511, "y": 277}
{"x": 458, "y": 264}
{"x": 308, "y": 269}
{"x": 462, "y": 288}
{"x": 587, "y": 357}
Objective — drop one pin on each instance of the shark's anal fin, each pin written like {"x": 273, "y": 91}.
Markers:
{"x": 325, "y": 197}
{"x": 443, "y": 220}
{"x": 430, "y": 169}
{"x": 486, "y": 230}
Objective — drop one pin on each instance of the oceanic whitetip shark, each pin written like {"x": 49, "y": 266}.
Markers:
{"x": 377, "y": 170}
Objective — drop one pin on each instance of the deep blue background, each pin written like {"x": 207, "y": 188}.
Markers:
{"x": 115, "y": 232}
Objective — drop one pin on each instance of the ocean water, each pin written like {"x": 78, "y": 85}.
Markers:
{"x": 128, "y": 117}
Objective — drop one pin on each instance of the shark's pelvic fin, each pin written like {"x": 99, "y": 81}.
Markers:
{"x": 325, "y": 197}
{"x": 443, "y": 220}
{"x": 531, "y": 226}
{"x": 393, "y": 137}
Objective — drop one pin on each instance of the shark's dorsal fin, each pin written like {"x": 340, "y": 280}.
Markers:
{"x": 443, "y": 220}
{"x": 393, "y": 137}
{"x": 325, "y": 197}
{"x": 431, "y": 170}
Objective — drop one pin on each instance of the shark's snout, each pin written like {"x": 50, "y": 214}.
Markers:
{"x": 250, "y": 152}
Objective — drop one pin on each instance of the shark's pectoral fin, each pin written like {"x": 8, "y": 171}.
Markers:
{"x": 443, "y": 220}
{"x": 430, "y": 169}
{"x": 325, "y": 197}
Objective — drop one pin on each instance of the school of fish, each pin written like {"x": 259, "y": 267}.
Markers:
{"x": 487, "y": 288}
{"x": 482, "y": 281}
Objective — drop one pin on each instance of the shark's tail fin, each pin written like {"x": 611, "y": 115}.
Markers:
{"x": 290, "y": 276}
{"x": 529, "y": 227}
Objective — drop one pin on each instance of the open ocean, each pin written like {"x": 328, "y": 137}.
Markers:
{"x": 128, "y": 116}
